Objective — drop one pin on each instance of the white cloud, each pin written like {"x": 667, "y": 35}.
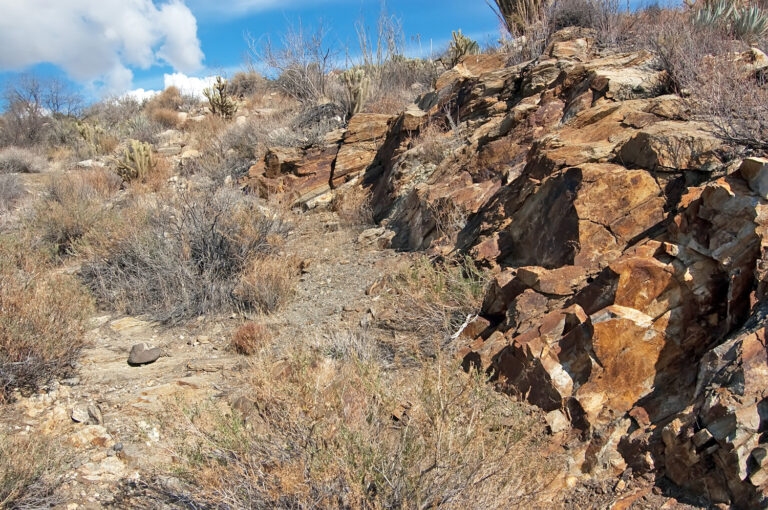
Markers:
{"x": 141, "y": 95}
{"x": 99, "y": 40}
{"x": 189, "y": 85}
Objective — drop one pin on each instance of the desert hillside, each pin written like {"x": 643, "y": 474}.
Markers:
{"x": 525, "y": 275}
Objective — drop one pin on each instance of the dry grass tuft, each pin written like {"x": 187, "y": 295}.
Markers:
{"x": 353, "y": 205}
{"x": 250, "y": 337}
{"x": 267, "y": 282}
{"x": 432, "y": 300}
{"x": 165, "y": 117}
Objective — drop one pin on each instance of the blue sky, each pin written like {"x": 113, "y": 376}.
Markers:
{"x": 120, "y": 53}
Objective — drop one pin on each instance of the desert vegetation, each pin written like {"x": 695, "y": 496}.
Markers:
{"x": 179, "y": 209}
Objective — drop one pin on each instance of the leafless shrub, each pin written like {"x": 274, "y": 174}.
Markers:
{"x": 11, "y": 190}
{"x": 32, "y": 102}
{"x": 113, "y": 112}
{"x": 18, "y": 160}
{"x": 301, "y": 61}
{"x": 185, "y": 260}
{"x": 735, "y": 100}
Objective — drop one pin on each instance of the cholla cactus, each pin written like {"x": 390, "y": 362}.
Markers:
{"x": 358, "y": 85}
{"x": 219, "y": 100}
{"x": 136, "y": 162}
{"x": 460, "y": 47}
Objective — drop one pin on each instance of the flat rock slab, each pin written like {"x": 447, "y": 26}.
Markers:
{"x": 142, "y": 354}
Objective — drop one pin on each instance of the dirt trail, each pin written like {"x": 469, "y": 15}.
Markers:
{"x": 124, "y": 436}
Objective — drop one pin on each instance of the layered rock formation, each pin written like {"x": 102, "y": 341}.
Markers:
{"x": 627, "y": 248}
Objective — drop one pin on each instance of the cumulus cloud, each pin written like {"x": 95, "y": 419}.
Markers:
{"x": 99, "y": 41}
{"x": 188, "y": 85}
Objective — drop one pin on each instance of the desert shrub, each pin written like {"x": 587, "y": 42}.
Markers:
{"x": 18, "y": 160}
{"x": 11, "y": 190}
{"x": 168, "y": 99}
{"x": 166, "y": 117}
{"x": 142, "y": 128}
{"x": 342, "y": 433}
{"x": 250, "y": 337}
{"x": 72, "y": 207}
{"x": 184, "y": 259}
{"x": 432, "y": 300}
{"x": 246, "y": 84}
{"x": 31, "y": 483}
{"x": 41, "y": 327}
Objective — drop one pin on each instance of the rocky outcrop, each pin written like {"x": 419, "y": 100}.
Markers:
{"x": 626, "y": 248}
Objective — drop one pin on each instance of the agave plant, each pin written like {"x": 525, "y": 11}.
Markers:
{"x": 743, "y": 21}
{"x": 713, "y": 13}
{"x": 749, "y": 22}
